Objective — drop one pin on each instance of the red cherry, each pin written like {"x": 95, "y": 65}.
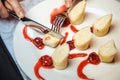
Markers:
{"x": 38, "y": 42}
{"x": 94, "y": 58}
{"x": 46, "y": 60}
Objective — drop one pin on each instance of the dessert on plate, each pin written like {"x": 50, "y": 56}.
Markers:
{"x": 107, "y": 51}
{"x": 102, "y": 25}
{"x": 60, "y": 56}
{"x": 82, "y": 38}
{"x": 77, "y": 13}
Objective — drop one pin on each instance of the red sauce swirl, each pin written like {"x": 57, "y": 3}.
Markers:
{"x": 26, "y": 36}
{"x": 93, "y": 58}
{"x": 45, "y": 62}
{"x": 38, "y": 42}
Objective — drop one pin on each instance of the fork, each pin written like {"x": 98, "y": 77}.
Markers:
{"x": 60, "y": 18}
{"x": 58, "y": 22}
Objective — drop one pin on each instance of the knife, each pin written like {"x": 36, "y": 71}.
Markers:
{"x": 33, "y": 24}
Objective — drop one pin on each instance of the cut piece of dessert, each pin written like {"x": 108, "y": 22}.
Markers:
{"x": 101, "y": 26}
{"x": 77, "y": 13}
{"x": 82, "y": 38}
{"x": 52, "y": 39}
{"x": 107, "y": 51}
{"x": 60, "y": 56}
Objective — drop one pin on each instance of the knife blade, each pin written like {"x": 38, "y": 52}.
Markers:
{"x": 33, "y": 24}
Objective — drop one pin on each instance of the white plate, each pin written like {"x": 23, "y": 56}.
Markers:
{"x": 27, "y": 54}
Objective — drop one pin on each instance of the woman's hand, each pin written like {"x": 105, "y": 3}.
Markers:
{"x": 12, "y": 5}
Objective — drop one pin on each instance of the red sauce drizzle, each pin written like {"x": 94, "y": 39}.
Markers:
{"x": 45, "y": 62}
{"x": 65, "y": 38}
{"x": 93, "y": 58}
{"x": 71, "y": 44}
{"x": 38, "y": 42}
{"x": 26, "y": 35}
{"x": 76, "y": 55}
{"x": 73, "y": 28}
{"x": 36, "y": 70}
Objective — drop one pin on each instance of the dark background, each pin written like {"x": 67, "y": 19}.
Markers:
{"x": 8, "y": 68}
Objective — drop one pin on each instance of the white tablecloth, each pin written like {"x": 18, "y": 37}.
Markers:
{"x": 8, "y": 26}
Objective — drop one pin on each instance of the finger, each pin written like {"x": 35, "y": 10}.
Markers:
{"x": 3, "y": 11}
{"x": 68, "y": 3}
{"x": 17, "y": 8}
{"x": 8, "y": 6}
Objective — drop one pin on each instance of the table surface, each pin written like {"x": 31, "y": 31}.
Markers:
{"x": 7, "y": 27}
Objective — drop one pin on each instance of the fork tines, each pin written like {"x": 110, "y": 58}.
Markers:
{"x": 58, "y": 22}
